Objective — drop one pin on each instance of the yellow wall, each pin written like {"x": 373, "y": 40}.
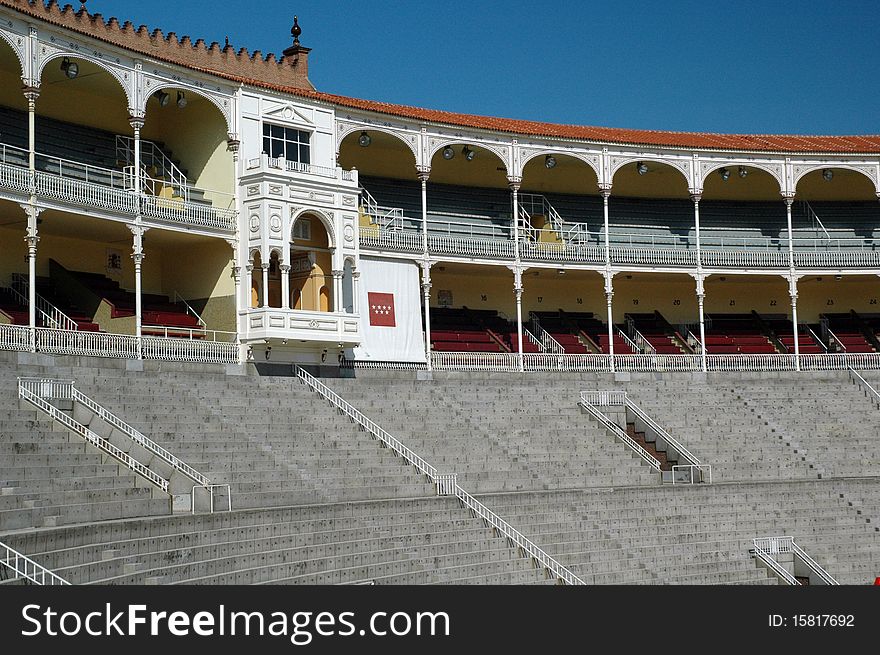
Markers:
{"x": 10, "y": 88}
{"x": 196, "y": 136}
{"x": 674, "y": 296}
{"x": 740, "y": 294}
{"x": 845, "y": 185}
{"x": 380, "y": 159}
{"x": 661, "y": 181}
{"x": 570, "y": 175}
{"x": 202, "y": 274}
{"x": 757, "y": 185}
{"x": 858, "y": 292}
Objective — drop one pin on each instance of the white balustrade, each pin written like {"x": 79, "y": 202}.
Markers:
{"x": 15, "y": 337}
{"x": 24, "y": 567}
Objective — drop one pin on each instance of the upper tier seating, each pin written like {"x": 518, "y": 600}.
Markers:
{"x": 784, "y": 331}
{"x": 563, "y": 330}
{"x": 848, "y": 330}
{"x": 466, "y": 330}
{"x": 728, "y": 334}
{"x": 638, "y": 221}
{"x": 157, "y": 310}
{"x": 16, "y": 311}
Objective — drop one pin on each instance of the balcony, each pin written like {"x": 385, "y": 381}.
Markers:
{"x": 70, "y": 185}
{"x": 464, "y": 240}
{"x": 273, "y": 323}
{"x": 266, "y": 164}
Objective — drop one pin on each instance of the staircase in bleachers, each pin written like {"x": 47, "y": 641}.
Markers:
{"x": 468, "y": 330}
{"x": 563, "y": 330}
{"x": 850, "y": 333}
{"x": 658, "y": 332}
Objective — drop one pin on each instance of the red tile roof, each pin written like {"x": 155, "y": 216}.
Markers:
{"x": 284, "y": 76}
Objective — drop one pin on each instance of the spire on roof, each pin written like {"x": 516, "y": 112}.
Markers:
{"x": 297, "y": 49}
{"x": 295, "y": 30}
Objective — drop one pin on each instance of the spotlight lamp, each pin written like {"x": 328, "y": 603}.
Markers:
{"x": 448, "y": 152}
{"x": 364, "y": 140}
{"x": 163, "y": 98}
{"x": 550, "y": 161}
{"x": 70, "y": 68}
{"x": 827, "y": 175}
{"x": 468, "y": 153}
{"x": 724, "y": 173}
{"x": 641, "y": 167}
{"x": 743, "y": 171}
{"x": 181, "y": 99}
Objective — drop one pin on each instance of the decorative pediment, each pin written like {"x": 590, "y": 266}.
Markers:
{"x": 287, "y": 112}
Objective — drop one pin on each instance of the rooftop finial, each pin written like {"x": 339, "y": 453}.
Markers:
{"x": 82, "y": 5}
{"x": 295, "y": 30}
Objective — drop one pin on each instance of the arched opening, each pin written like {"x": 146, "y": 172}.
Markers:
{"x": 184, "y": 148}
{"x": 560, "y": 188}
{"x": 650, "y": 207}
{"x": 311, "y": 265}
{"x": 13, "y": 152}
{"x": 256, "y": 280}
{"x": 839, "y": 204}
{"x": 274, "y": 292}
{"x": 741, "y": 207}
{"x": 82, "y": 111}
{"x": 387, "y": 173}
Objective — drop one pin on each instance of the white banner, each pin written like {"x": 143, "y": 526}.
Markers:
{"x": 390, "y": 306}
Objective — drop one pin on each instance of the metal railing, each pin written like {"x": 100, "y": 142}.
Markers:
{"x": 23, "y": 566}
{"x": 26, "y": 391}
{"x": 52, "y": 316}
{"x": 591, "y": 400}
{"x": 640, "y": 340}
{"x": 693, "y": 473}
{"x": 152, "y": 156}
{"x": 870, "y": 392}
{"x": 189, "y": 309}
{"x": 629, "y": 342}
{"x": 660, "y": 431}
{"x": 543, "y": 338}
{"x": 14, "y": 172}
{"x": 444, "y": 482}
{"x": 15, "y": 337}
{"x": 833, "y": 341}
{"x": 766, "y": 547}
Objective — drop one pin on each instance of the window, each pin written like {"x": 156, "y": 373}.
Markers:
{"x": 286, "y": 143}
{"x": 302, "y": 229}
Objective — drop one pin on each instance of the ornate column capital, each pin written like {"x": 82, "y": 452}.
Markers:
{"x": 137, "y": 120}
{"x": 514, "y": 182}
{"x": 31, "y": 93}
{"x": 423, "y": 173}
{"x": 233, "y": 144}
{"x": 605, "y": 190}
{"x": 285, "y": 268}
{"x": 788, "y": 198}
{"x": 696, "y": 195}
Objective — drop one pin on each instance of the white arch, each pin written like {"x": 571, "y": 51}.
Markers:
{"x": 763, "y": 167}
{"x": 549, "y": 151}
{"x": 495, "y": 150}
{"x": 115, "y": 74}
{"x": 18, "y": 55}
{"x": 207, "y": 96}
{"x": 370, "y": 128}
{"x": 326, "y": 221}
{"x": 819, "y": 167}
{"x": 673, "y": 164}
{"x": 252, "y": 252}
{"x": 276, "y": 250}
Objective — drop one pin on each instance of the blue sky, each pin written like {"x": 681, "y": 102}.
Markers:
{"x": 748, "y": 66}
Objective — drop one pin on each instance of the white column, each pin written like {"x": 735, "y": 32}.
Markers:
{"x": 701, "y": 297}
{"x": 514, "y": 184}
{"x": 517, "y": 292}
{"x": 32, "y": 93}
{"x": 605, "y": 191}
{"x": 285, "y": 286}
{"x": 338, "y": 304}
{"x": 609, "y": 296}
{"x": 426, "y": 299}
{"x": 792, "y": 280}
{"x": 137, "y": 255}
{"x": 424, "y": 172}
{"x": 264, "y": 296}
{"x": 355, "y": 290}
{"x": 696, "y": 197}
{"x": 793, "y": 293}
{"x": 31, "y": 240}
{"x": 236, "y": 276}
{"x": 137, "y": 123}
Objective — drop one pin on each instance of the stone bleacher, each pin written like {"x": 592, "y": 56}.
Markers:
{"x": 315, "y": 500}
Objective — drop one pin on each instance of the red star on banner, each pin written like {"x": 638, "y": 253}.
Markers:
{"x": 381, "y": 309}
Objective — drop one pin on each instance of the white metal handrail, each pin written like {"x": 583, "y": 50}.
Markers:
{"x": 691, "y": 468}
{"x": 660, "y": 431}
{"x": 870, "y": 392}
{"x": 445, "y": 482}
{"x": 806, "y": 328}
{"x": 616, "y": 430}
{"x": 694, "y": 342}
{"x": 764, "y": 549}
{"x": 152, "y": 155}
{"x": 629, "y": 342}
{"x": 130, "y": 431}
{"x": 198, "y": 317}
{"x": 814, "y": 566}
{"x": 812, "y": 215}
{"x": 102, "y": 444}
{"x": 51, "y": 315}
{"x": 834, "y": 341}
{"x": 542, "y": 338}
{"x": 24, "y": 566}
{"x": 642, "y": 342}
